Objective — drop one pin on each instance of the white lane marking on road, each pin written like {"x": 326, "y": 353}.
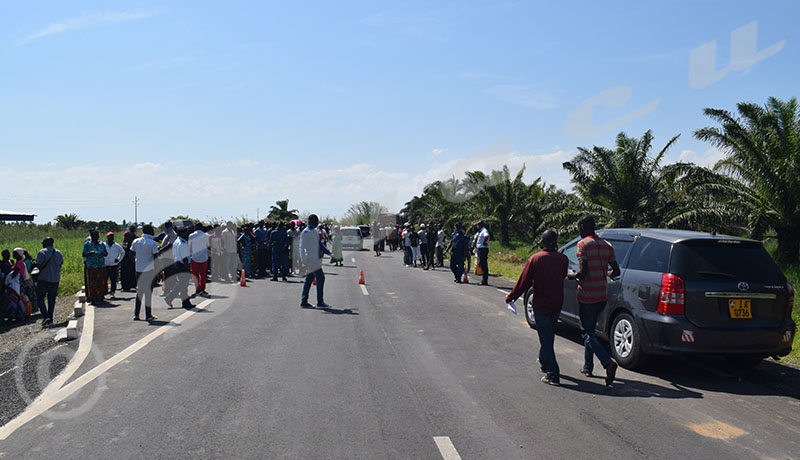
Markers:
{"x": 84, "y": 347}
{"x": 353, "y": 259}
{"x": 504, "y": 291}
{"x": 45, "y": 401}
{"x": 446, "y": 448}
{"x": 9, "y": 371}
{"x": 363, "y": 289}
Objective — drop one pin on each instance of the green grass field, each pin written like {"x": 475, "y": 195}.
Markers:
{"x": 509, "y": 262}
{"x": 70, "y": 243}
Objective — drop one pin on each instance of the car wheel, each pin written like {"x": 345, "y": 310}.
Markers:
{"x": 626, "y": 345}
{"x": 528, "y": 303}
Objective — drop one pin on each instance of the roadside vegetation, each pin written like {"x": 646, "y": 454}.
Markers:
{"x": 753, "y": 191}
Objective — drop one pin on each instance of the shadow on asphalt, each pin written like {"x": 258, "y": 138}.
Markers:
{"x": 704, "y": 373}
{"x": 335, "y": 311}
{"x": 627, "y": 388}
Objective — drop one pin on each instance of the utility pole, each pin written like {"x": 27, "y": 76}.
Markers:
{"x": 136, "y": 210}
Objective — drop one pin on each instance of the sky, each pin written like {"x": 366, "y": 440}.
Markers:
{"x": 218, "y": 109}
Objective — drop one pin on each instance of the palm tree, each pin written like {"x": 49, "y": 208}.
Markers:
{"x": 365, "y": 212}
{"x": 280, "y": 212}
{"x": 440, "y": 202}
{"x": 69, "y": 221}
{"x": 762, "y": 165}
{"x": 623, "y": 187}
{"x": 504, "y": 202}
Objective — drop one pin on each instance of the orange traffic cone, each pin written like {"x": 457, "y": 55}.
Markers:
{"x": 242, "y": 281}
{"x": 466, "y": 279}
{"x": 361, "y": 278}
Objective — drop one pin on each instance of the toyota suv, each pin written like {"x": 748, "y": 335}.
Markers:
{"x": 682, "y": 292}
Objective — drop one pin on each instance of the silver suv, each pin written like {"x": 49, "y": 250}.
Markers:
{"x": 688, "y": 292}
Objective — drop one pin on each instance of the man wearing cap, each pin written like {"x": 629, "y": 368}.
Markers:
{"x": 545, "y": 273}
{"x": 49, "y": 261}
{"x": 115, "y": 255}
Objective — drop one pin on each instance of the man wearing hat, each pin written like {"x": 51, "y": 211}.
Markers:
{"x": 115, "y": 255}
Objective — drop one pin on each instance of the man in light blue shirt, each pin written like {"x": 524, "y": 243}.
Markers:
{"x": 311, "y": 250}
{"x": 181, "y": 256}
{"x": 145, "y": 252}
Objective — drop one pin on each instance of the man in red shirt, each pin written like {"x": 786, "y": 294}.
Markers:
{"x": 595, "y": 255}
{"x": 545, "y": 271}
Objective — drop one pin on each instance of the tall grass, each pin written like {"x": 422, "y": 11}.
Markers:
{"x": 69, "y": 242}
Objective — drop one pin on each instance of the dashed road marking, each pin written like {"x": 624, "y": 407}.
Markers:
{"x": 446, "y": 448}
{"x": 9, "y": 371}
{"x": 504, "y": 291}
{"x": 353, "y": 259}
{"x": 363, "y": 289}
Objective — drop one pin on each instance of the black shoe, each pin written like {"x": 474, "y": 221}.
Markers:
{"x": 457, "y": 281}
{"x": 152, "y": 318}
{"x": 306, "y": 305}
{"x": 187, "y": 305}
{"x": 323, "y": 305}
{"x": 274, "y": 278}
{"x": 611, "y": 372}
{"x": 136, "y": 318}
{"x": 285, "y": 278}
{"x": 483, "y": 283}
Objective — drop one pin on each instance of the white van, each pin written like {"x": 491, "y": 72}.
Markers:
{"x": 351, "y": 238}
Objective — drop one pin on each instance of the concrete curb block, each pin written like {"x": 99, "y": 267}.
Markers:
{"x": 71, "y": 331}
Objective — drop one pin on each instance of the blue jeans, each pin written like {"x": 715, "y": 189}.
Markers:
{"x": 320, "y": 285}
{"x": 588, "y": 313}
{"x": 407, "y": 256}
{"x": 45, "y": 288}
{"x": 546, "y": 327}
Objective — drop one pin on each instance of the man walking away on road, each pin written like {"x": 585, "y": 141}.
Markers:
{"x": 441, "y": 236}
{"x": 595, "y": 255}
{"x": 145, "y": 252}
{"x": 182, "y": 256}
{"x": 545, "y": 273}
{"x": 199, "y": 244}
{"x": 458, "y": 250}
{"x": 311, "y": 250}
{"x": 49, "y": 261}
{"x": 231, "y": 249}
{"x": 115, "y": 255}
{"x": 482, "y": 246}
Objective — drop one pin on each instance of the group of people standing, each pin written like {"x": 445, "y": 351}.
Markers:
{"x": 29, "y": 282}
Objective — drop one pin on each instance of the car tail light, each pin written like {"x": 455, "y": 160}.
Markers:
{"x": 789, "y": 300}
{"x": 672, "y": 295}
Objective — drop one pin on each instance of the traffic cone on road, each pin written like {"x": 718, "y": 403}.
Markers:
{"x": 466, "y": 279}
{"x": 361, "y": 278}
{"x": 242, "y": 281}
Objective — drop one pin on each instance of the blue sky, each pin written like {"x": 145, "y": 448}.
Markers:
{"x": 216, "y": 110}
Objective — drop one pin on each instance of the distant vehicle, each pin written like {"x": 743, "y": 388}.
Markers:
{"x": 682, "y": 292}
{"x": 388, "y": 220}
{"x": 365, "y": 230}
{"x": 352, "y": 239}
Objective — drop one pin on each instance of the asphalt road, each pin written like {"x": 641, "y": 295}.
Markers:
{"x": 417, "y": 367}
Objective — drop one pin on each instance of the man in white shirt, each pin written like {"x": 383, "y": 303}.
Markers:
{"x": 483, "y": 252}
{"x": 441, "y": 236}
{"x": 230, "y": 247}
{"x": 145, "y": 252}
{"x": 115, "y": 255}
{"x": 199, "y": 244}
{"x": 311, "y": 250}
{"x": 181, "y": 257}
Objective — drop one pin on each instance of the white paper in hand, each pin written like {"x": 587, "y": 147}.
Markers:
{"x": 513, "y": 307}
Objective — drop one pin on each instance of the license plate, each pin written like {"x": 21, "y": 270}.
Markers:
{"x": 740, "y": 308}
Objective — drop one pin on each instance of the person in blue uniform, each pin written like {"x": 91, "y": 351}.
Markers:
{"x": 279, "y": 241}
{"x": 458, "y": 250}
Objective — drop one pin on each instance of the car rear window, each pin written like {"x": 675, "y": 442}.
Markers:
{"x": 650, "y": 255}
{"x": 709, "y": 260}
{"x": 351, "y": 232}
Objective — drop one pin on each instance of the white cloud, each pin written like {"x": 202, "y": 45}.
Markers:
{"x": 523, "y": 95}
{"x": 438, "y": 151}
{"x": 86, "y": 21}
{"x": 708, "y": 159}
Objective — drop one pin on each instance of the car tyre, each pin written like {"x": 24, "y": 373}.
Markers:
{"x": 625, "y": 340}
{"x": 528, "y": 303}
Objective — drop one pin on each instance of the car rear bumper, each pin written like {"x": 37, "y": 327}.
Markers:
{"x": 666, "y": 334}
